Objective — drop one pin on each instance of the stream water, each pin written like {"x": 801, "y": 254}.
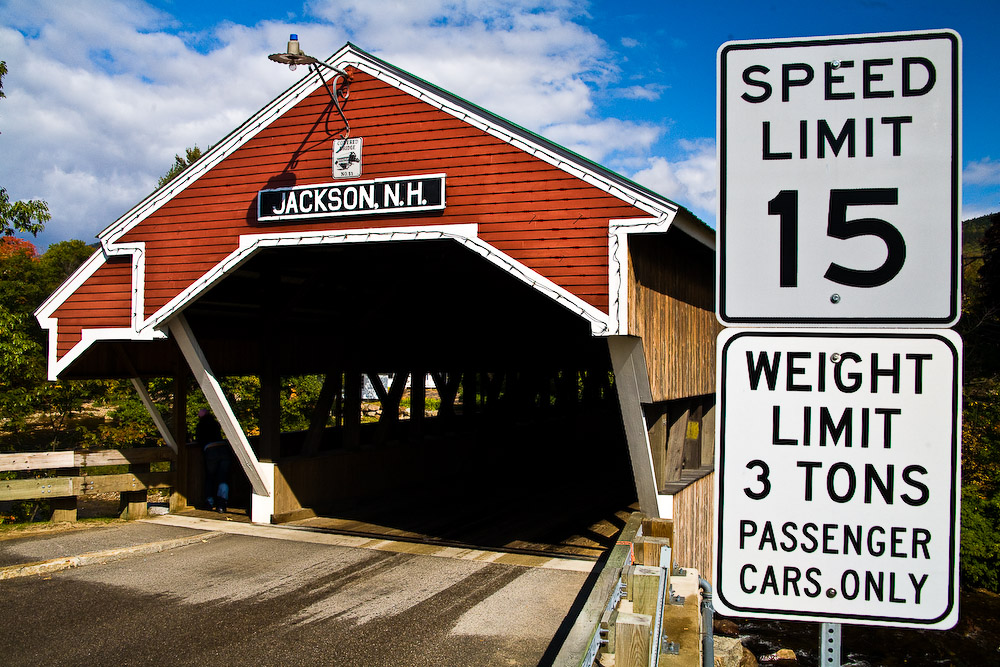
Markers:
{"x": 973, "y": 642}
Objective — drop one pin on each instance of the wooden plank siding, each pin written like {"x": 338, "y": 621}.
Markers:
{"x": 103, "y": 301}
{"x": 552, "y": 222}
{"x": 671, "y": 281}
{"x": 693, "y": 530}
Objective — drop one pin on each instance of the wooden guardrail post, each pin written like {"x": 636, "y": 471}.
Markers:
{"x": 135, "y": 504}
{"x": 651, "y": 549}
{"x": 632, "y": 636}
{"x": 181, "y": 496}
{"x": 646, "y": 587}
{"x": 64, "y": 509}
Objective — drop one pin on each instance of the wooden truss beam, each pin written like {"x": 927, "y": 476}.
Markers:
{"x": 147, "y": 401}
{"x": 195, "y": 357}
{"x": 632, "y": 384}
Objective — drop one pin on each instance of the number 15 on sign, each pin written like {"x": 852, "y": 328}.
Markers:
{"x": 839, "y": 180}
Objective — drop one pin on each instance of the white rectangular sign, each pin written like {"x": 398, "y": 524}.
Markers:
{"x": 837, "y": 487}
{"x": 839, "y": 190}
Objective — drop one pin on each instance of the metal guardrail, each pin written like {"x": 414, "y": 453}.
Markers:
{"x": 584, "y": 638}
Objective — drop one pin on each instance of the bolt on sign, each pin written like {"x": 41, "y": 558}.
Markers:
{"x": 840, "y": 167}
{"x": 838, "y": 475}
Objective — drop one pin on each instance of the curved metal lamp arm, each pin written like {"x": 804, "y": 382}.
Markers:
{"x": 293, "y": 57}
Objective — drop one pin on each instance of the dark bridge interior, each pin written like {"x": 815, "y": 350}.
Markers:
{"x": 526, "y": 449}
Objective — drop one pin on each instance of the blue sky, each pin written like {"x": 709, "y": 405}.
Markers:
{"x": 100, "y": 96}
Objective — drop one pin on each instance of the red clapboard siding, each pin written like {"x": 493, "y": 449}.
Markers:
{"x": 552, "y": 222}
{"x": 104, "y": 300}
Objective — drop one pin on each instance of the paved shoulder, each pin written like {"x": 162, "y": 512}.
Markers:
{"x": 50, "y": 546}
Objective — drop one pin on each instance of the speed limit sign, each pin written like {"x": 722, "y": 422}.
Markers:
{"x": 839, "y": 188}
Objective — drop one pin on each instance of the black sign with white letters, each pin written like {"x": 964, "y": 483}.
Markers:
{"x": 405, "y": 194}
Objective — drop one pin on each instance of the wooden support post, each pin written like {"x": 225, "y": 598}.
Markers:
{"x": 447, "y": 386}
{"x": 154, "y": 413}
{"x": 418, "y": 401}
{"x": 271, "y": 304}
{"x": 321, "y": 413}
{"x": 490, "y": 385}
{"x": 708, "y": 431}
{"x": 64, "y": 509}
{"x": 591, "y": 390}
{"x": 352, "y": 409}
{"x": 646, "y": 587}
{"x": 269, "y": 442}
{"x": 135, "y": 504}
{"x": 633, "y": 632}
{"x": 692, "y": 437}
{"x": 527, "y": 392}
{"x": 140, "y": 388}
{"x": 659, "y": 429}
{"x": 390, "y": 406}
{"x": 181, "y": 492}
{"x": 675, "y": 442}
{"x": 258, "y": 476}
{"x": 632, "y": 387}
{"x": 468, "y": 393}
{"x": 651, "y": 550}
{"x": 658, "y": 527}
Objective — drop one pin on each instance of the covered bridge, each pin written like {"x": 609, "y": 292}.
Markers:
{"x": 367, "y": 223}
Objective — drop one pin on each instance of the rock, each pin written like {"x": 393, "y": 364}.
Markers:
{"x": 725, "y": 628}
{"x": 729, "y": 652}
{"x": 783, "y": 657}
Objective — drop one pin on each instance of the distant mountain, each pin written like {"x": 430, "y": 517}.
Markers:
{"x": 972, "y": 233}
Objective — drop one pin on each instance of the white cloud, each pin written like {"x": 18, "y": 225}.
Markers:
{"x": 100, "y": 98}
{"x": 982, "y": 172}
{"x": 650, "y": 92}
{"x": 598, "y": 140}
{"x": 629, "y": 43}
{"x": 529, "y": 64}
{"x": 690, "y": 181}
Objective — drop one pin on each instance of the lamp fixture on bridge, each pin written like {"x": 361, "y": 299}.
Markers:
{"x": 293, "y": 57}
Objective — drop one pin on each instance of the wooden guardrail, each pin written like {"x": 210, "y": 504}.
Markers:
{"x": 76, "y": 481}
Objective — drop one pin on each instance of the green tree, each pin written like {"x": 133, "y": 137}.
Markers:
{"x": 191, "y": 156}
{"x": 980, "y": 329}
{"x": 27, "y": 217}
{"x": 60, "y": 261}
{"x": 29, "y": 403}
{"x": 980, "y": 323}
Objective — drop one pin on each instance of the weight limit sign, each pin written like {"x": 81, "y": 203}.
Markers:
{"x": 837, "y": 485}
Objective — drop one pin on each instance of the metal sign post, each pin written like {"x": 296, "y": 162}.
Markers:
{"x": 829, "y": 645}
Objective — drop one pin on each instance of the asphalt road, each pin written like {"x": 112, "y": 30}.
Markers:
{"x": 278, "y": 598}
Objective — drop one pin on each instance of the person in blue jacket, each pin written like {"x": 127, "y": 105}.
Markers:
{"x": 208, "y": 436}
